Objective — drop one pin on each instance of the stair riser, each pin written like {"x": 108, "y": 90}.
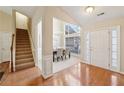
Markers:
{"x": 23, "y": 49}
{"x": 25, "y": 61}
{"x": 23, "y": 57}
{"x": 20, "y": 44}
{"x": 22, "y": 41}
{"x": 25, "y": 34}
{"x": 24, "y": 67}
{"x": 17, "y": 36}
{"x": 25, "y": 38}
{"x": 21, "y": 35}
{"x": 23, "y": 46}
{"x": 23, "y": 53}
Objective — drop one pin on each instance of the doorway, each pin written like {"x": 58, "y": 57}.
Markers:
{"x": 103, "y": 48}
{"x": 100, "y": 48}
{"x": 5, "y": 41}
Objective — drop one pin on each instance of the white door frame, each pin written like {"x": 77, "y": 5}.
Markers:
{"x": 39, "y": 62}
{"x": 110, "y": 49}
{"x": 99, "y": 48}
{"x": 117, "y": 28}
{"x": 87, "y": 48}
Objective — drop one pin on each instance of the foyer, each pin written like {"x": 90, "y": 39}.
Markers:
{"x": 61, "y": 46}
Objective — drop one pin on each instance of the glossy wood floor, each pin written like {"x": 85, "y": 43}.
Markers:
{"x": 79, "y": 74}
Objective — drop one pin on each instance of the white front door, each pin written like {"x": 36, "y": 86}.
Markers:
{"x": 100, "y": 48}
{"x": 103, "y": 48}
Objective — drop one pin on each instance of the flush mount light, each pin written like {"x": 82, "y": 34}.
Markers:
{"x": 89, "y": 9}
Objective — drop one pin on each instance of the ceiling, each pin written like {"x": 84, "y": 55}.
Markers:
{"x": 27, "y": 10}
{"x": 78, "y": 12}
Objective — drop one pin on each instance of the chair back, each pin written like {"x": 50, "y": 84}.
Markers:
{"x": 59, "y": 52}
{"x": 67, "y": 51}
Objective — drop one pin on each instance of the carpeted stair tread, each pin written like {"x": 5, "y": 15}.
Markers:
{"x": 23, "y": 56}
{"x": 24, "y": 60}
{"x": 24, "y": 66}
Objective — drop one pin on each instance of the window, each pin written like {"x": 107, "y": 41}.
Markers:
{"x": 71, "y": 29}
{"x": 115, "y": 47}
{"x": 72, "y": 38}
{"x": 73, "y": 44}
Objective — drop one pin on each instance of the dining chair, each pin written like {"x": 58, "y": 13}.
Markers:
{"x": 59, "y": 54}
{"x": 67, "y": 53}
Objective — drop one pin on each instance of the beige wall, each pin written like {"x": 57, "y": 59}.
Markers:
{"x": 6, "y": 25}
{"x": 21, "y": 21}
{"x": 5, "y": 22}
{"x": 110, "y": 23}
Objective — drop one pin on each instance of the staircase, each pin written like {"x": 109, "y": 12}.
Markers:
{"x": 24, "y": 57}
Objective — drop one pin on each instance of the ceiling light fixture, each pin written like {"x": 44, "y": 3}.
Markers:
{"x": 89, "y": 9}
{"x": 100, "y": 14}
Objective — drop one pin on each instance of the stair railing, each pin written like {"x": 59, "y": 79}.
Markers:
{"x": 12, "y": 58}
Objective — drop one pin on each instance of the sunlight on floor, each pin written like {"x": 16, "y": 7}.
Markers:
{"x": 61, "y": 65}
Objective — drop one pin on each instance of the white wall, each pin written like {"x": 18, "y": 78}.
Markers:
{"x": 38, "y": 16}
{"x": 110, "y": 23}
{"x": 58, "y": 33}
{"x": 47, "y": 14}
{"x": 21, "y": 21}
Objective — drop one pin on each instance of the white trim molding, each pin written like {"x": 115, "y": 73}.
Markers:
{"x": 47, "y": 66}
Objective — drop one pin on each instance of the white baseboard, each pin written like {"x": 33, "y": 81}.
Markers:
{"x": 47, "y": 66}
{"x": 83, "y": 61}
{"x": 47, "y": 76}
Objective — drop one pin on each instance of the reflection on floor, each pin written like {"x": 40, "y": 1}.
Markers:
{"x": 61, "y": 65}
{"x": 78, "y": 74}
{"x": 4, "y": 70}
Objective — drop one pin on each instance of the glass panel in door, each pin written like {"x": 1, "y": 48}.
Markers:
{"x": 115, "y": 49}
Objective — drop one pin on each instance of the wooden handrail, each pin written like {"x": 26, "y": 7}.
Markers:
{"x": 12, "y": 53}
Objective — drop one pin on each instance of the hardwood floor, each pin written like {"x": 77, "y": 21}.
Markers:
{"x": 4, "y": 70}
{"x": 79, "y": 74}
